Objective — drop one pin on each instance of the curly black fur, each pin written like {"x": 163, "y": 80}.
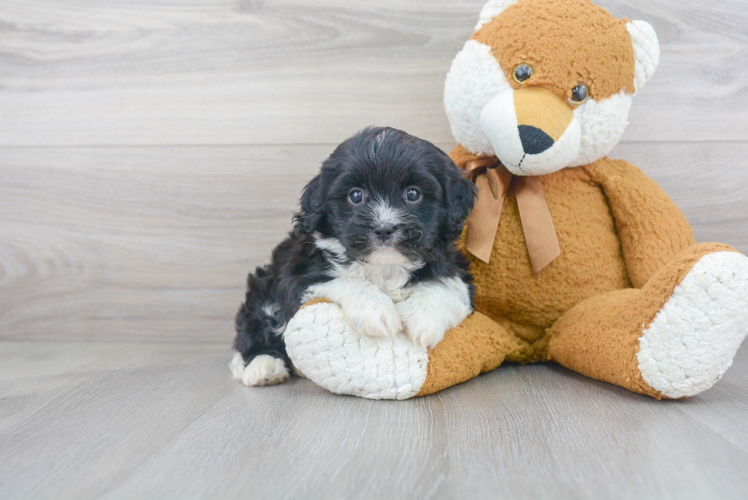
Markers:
{"x": 385, "y": 162}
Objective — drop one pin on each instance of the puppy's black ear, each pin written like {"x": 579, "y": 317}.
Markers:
{"x": 309, "y": 218}
{"x": 460, "y": 195}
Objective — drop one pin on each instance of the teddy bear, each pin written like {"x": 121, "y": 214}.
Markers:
{"x": 578, "y": 259}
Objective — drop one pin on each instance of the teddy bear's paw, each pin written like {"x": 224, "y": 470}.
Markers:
{"x": 424, "y": 326}
{"x": 376, "y": 316}
{"x": 262, "y": 370}
{"x": 334, "y": 355}
{"x": 693, "y": 339}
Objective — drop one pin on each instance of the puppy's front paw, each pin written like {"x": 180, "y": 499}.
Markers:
{"x": 424, "y": 326}
{"x": 375, "y": 317}
{"x": 264, "y": 370}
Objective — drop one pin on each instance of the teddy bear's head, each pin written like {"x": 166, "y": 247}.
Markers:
{"x": 547, "y": 84}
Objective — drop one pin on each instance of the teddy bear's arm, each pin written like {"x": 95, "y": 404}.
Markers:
{"x": 652, "y": 228}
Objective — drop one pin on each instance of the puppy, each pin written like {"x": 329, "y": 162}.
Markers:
{"x": 375, "y": 234}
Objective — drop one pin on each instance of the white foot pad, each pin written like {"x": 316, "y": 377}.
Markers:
{"x": 324, "y": 347}
{"x": 262, "y": 370}
{"x": 693, "y": 339}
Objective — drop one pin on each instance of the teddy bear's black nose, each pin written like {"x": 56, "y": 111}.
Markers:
{"x": 534, "y": 140}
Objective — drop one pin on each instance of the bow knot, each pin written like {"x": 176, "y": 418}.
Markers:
{"x": 494, "y": 181}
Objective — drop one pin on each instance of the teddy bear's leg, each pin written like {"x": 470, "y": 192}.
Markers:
{"x": 673, "y": 338}
{"x": 477, "y": 345}
{"x": 330, "y": 353}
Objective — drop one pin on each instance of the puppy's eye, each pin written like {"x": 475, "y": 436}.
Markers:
{"x": 579, "y": 94}
{"x": 413, "y": 195}
{"x": 356, "y": 196}
{"x": 522, "y": 73}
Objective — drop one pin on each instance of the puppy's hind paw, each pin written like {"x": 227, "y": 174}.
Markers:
{"x": 237, "y": 366}
{"x": 264, "y": 370}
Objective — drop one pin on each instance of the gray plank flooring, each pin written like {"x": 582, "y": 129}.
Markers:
{"x": 151, "y": 153}
{"x": 156, "y": 420}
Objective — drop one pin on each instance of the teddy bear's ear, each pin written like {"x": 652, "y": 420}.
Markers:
{"x": 492, "y": 9}
{"x": 646, "y": 51}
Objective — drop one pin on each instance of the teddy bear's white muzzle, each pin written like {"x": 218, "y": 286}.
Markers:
{"x": 529, "y": 148}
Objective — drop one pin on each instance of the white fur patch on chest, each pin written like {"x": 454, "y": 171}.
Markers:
{"x": 387, "y": 268}
{"x": 376, "y": 302}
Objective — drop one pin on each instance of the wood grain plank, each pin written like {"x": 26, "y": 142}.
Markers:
{"x": 70, "y": 429}
{"x": 587, "y": 439}
{"x": 287, "y": 71}
{"x": 150, "y": 420}
{"x": 723, "y": 410}
{"x": 111, "y": 242}
{"x": 155, "y": 243}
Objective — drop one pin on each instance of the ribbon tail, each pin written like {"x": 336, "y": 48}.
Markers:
{"x": 537, "y": 223}
{"x": 483, "y": 222}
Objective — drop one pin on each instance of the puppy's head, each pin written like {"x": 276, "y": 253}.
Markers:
{"x": 387, "y": 197}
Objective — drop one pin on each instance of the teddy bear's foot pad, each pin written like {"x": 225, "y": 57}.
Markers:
{"x": 323, "y": 346}
{"x": 693, "y": 339}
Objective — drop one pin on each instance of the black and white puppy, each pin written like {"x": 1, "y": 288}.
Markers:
{"x": 375, "y": 234}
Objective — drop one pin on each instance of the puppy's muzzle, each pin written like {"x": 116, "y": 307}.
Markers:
{"x": 385, "y": 232}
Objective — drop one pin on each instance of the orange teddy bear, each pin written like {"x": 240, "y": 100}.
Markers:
{"x": 577, "y": 258}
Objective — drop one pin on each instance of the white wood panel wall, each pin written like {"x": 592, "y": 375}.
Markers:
{"x": 151, "y": 153}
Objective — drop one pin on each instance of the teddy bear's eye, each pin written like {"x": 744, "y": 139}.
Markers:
{"x": 579, "y": 94}
{"x": 522, "y": 73}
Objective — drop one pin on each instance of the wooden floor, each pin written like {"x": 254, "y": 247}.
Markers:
{"x": 152, "y": 152}
{"x": 134, "y": 420}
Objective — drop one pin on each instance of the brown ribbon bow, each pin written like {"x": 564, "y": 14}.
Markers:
{"x": 493, "y": 181}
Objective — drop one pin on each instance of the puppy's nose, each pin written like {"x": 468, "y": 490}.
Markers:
{"x": 385, "y": 231}
{"x": 534, "y": 140}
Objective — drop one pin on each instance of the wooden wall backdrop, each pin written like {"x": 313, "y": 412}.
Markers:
{"x": 152, "y": 152}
